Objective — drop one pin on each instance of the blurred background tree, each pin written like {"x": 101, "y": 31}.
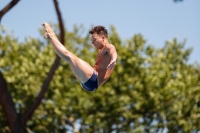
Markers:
{"x": 151, "y": 89}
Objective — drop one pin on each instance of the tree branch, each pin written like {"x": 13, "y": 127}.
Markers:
{"x": 61, "y": 25}
{"x": 7, "y": 8}
{"x": 178, "y": 0}
{"x": 9, "y": 107}
{"x": 46, "y": 83}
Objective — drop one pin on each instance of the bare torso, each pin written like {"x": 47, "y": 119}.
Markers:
{"x": 102, "y": 61}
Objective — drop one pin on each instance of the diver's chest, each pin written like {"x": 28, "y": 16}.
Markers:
{"x": 103, "y": 54}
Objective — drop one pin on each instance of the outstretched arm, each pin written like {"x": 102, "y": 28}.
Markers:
{"x": 58, "y": 47}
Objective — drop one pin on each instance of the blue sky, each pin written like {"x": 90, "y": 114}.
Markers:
{"x": 158, "y": 21}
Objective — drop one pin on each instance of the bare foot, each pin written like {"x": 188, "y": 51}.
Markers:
{"x": 49, "y": 33}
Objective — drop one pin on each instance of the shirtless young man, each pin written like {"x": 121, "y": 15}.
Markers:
{"x": 89, "y": 77}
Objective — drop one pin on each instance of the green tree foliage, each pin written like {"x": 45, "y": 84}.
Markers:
{"x": 150, "y": 90}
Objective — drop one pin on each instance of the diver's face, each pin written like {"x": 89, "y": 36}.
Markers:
{"x": 97, "y": 40}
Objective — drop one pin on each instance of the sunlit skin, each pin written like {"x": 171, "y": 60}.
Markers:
{"x": 106, "y": 58}
{"x": 105, "y": 61}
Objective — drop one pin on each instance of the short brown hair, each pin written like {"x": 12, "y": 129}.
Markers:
{"x": 100, "y": 30}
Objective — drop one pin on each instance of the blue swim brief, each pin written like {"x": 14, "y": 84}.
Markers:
{"x": 92, "y": 83}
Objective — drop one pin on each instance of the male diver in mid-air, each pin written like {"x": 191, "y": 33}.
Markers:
{"x": 89, "y": 77}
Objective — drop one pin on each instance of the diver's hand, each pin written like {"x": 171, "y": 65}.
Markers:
{"x": 111, "y": 65}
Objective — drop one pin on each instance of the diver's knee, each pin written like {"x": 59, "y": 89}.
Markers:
{"x": 67, "y": 56}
